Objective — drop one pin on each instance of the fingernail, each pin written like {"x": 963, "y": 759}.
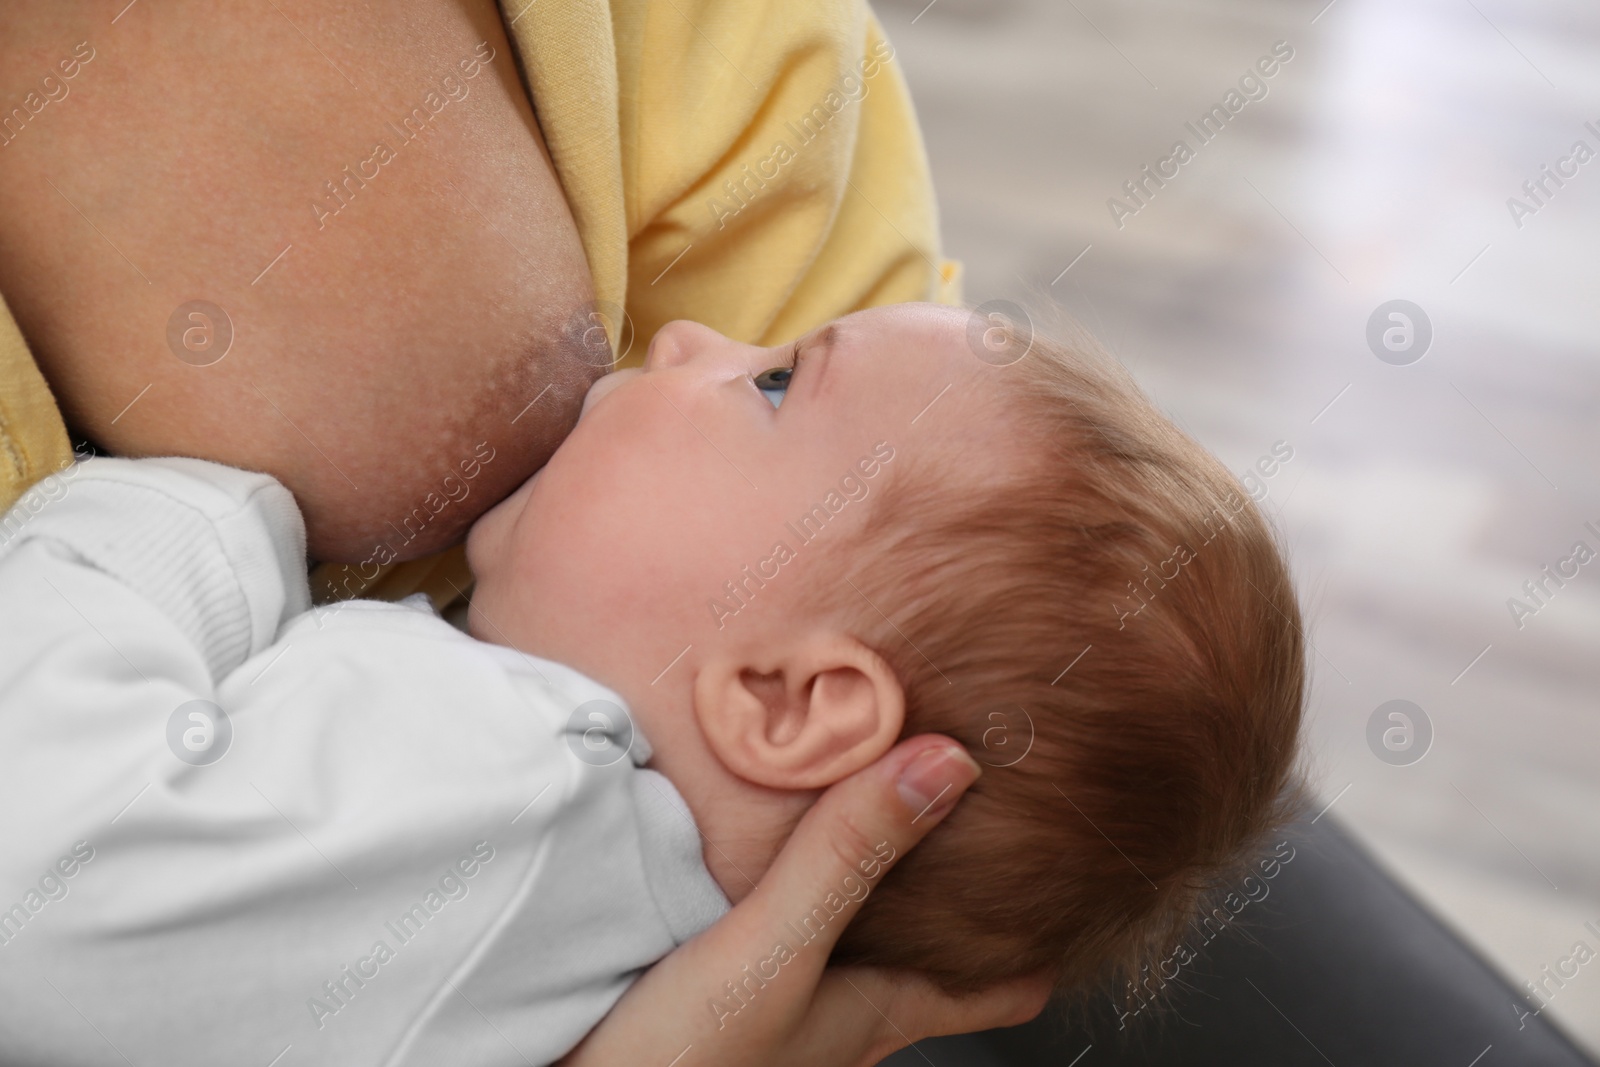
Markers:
{"x": 932, "y": 782}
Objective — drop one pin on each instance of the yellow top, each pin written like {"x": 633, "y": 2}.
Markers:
{"x": 755, "y": 166}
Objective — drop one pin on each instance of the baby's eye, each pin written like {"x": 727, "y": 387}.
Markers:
{"x": 774, "y": 383}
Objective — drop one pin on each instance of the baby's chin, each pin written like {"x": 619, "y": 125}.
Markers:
{"x": 488, "y": 538}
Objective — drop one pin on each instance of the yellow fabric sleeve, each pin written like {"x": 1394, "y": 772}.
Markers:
{"x": 754, "y": 165}
{"x": 775, "y": 177}
{"x": 33, "y": 438}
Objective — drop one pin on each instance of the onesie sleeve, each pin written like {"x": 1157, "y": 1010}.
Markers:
{"x": 203, "y": 563}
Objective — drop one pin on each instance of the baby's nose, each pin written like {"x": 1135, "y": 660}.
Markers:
{"x": 683, "y": 341}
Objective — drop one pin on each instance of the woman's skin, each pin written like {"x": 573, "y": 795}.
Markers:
{"x": 392, "y": 337}
{"x": 377, "y": 347}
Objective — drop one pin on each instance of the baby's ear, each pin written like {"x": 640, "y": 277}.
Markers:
{"x": 802, "y": 718}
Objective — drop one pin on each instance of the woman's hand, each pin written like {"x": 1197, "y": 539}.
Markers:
{"x": 807, "y": 1015}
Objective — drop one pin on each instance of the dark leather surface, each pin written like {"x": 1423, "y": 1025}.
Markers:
{"x": 1335, "y": 965}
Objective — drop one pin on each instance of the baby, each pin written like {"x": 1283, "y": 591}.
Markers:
{"x": 360, "y": 834}
{"x": 917, "y": 523}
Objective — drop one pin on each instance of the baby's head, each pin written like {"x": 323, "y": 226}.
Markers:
{"x": 1020, "y": 553}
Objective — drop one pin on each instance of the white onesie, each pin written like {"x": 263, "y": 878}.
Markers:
{"x": 236, "y": 829}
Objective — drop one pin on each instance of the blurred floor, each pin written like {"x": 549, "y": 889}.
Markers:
{"x": 1420, "y": 497}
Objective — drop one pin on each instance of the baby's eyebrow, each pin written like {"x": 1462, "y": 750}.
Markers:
{"x": 825, "y": 340}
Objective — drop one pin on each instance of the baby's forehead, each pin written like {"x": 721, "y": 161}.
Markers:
{"x": 910, "y": 374}
{"x": 967, "y": 342}
{"x": 922, "y": 320}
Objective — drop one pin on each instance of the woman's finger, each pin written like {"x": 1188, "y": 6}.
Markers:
{"x": 849, "y": 840}
{"x": 862, "y": 1014}
{"x": 913, "y": 1008}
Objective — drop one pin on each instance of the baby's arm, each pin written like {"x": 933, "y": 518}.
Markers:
{"x": 394, "y": 846}
{"x": 169, "y": 571}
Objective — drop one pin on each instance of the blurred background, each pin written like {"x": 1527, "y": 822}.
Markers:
{"x": 1427, "y": 486}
